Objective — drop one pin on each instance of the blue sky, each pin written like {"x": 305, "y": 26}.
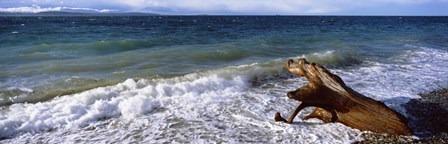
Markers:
{"x": 236, "y": 7}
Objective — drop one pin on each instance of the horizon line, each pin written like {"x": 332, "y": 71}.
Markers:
{"x": 159, "y": 14}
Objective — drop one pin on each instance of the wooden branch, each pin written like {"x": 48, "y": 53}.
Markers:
{"x": 335, "y": 102}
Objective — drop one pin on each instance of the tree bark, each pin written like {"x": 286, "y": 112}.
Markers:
{"x": 335, "y": 102}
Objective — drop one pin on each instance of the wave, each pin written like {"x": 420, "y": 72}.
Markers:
{"x": 129, "y": 99}
{"x": 14, "y": 92}
{"x": 231, "y": 103}
{"x": 17, "y": 91}
{"x": 105, "y": 47}
{"x": 132, "y": 97}
{"x": 403, "y": 77}
{"x": 333, "y": 59}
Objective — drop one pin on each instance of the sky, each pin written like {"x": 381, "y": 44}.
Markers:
{"x": 236, "y": 7}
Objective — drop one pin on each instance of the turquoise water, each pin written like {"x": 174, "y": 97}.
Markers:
{"x": 165, "y": 76}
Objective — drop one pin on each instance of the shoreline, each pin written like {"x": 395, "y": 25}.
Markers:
{"x": 427, "y": 118}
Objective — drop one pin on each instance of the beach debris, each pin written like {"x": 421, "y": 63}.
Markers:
{"x": 336, "y": 102}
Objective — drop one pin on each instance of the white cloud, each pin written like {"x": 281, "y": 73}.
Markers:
{"x": 407, "y": 2}
{"x": 236, "y": 6}
{"x": 37, "y": 9}
{"x": 88, "y": 9}
{"x": 33, "y": 9}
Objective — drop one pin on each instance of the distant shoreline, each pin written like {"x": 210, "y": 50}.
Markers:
{"x": 65, "y": 13}
{"x": 76, "y": 14}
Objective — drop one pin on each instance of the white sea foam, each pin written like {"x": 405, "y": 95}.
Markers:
{"x": 25, "y": 89}
{"x": 330, "y": 58}
{"x": 322, "y": 56}
{"x": 413, "y": 72}
{"x": 128, "y": 99}
{"x": 219, "y": 105}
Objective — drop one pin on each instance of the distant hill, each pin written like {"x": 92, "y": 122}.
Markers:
{"x": 64, "y": 13}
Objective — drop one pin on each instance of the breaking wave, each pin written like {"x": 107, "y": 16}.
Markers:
{"x": 231, "y": 104}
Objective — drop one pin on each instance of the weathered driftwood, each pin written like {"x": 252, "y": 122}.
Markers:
{"x": 335, "y": 102}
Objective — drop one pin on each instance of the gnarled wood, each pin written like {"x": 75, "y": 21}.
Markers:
{"x": 335, "y": 102}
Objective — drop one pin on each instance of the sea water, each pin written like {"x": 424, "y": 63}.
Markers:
{"x": 201, "y": 79}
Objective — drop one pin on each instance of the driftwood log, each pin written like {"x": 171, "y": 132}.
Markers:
{"x": 335, "y": 102}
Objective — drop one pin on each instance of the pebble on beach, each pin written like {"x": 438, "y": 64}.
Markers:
{"x": 427, "y": 118}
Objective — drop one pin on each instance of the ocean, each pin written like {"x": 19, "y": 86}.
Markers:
{"x": 202, "y": 79}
